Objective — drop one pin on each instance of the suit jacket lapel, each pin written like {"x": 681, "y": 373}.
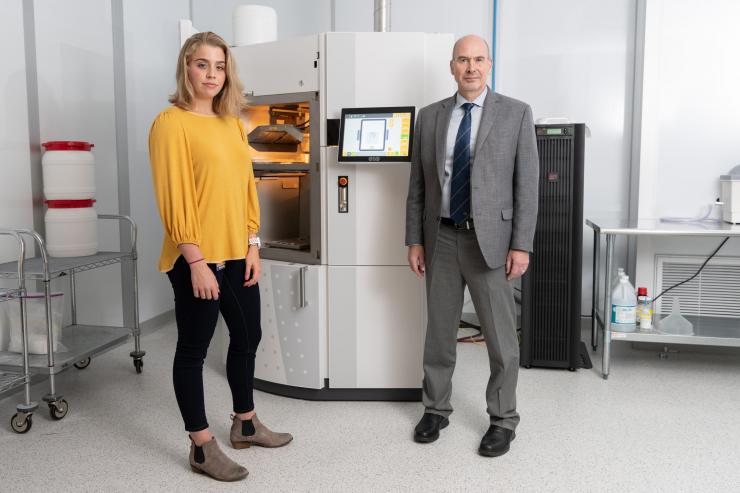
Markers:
{"x": 486, "y": 120}
{"x": 443, "y": 122}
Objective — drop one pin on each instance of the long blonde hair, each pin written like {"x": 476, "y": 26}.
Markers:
{"x": 230, "y": 100}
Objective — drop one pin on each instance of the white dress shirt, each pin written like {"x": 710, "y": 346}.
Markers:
{"x": 455, "y": 120}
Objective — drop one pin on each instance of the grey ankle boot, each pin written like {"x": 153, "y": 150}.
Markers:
{"x": 253, "y": 432}
{"x": 210, "y": 460}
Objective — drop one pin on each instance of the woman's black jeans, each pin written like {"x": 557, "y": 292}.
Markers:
{"x": 196, "y": 322}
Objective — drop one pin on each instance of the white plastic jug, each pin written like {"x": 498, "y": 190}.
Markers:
{"x": 618, "y": 277}
{"x": 624, "y": 304}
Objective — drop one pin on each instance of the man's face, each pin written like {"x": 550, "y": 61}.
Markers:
{"x": 470, "y": 65}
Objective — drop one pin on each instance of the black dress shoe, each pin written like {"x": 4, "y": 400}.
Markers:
{"x": 496, "y": 441}
{"x": 428, "y": 428}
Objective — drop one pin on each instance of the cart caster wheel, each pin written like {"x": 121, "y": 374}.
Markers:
{"x": 528, "y": 367}
{"x": 81, "y": 365}
{"x": 138, "y": 364}
{"x": 571, "y": 369}
{"x": 58, "y": 409}
{"x": 20, "y": 424}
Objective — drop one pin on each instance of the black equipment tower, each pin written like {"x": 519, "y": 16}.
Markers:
{"x": 551, "y": 287}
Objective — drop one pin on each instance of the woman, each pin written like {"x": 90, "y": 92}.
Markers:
{"x": 207, "y": 199}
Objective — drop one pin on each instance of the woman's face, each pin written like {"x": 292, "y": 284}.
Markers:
{"x": 207, "y": 71}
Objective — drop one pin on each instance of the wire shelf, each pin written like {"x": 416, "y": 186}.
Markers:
{"x": 9, "y": 294}
{"x": 80, "y": 342}
{"x": 34, "y": 267}
{"x": 11, "y": 380}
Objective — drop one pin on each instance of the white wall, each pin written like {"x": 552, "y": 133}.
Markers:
{"x": 15, "y": 186}
{"x": 460, "y": 17}
{"x": 151, "y": 45}
{"x": 442, "y": 16}
{"x": 577, "y": 61}
{"x": 689, "y": 121}
{"x": 691, "y": 103}
{"x": 75, "y": 92}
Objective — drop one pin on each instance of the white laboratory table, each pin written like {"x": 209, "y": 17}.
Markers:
{"x": 708, "y": 331}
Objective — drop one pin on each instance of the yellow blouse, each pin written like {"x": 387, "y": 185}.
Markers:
{"x": 204, "y": 184}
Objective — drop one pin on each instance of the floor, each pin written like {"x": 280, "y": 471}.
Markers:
{"x": 656, "y": 425}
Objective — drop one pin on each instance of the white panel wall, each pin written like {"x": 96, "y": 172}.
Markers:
{"x": 354, "y": 15}
{"x": 75, "y": 82}
{"x": 443, "y": 16}
{"x": 430, "y": 16}
{"x": 295, "y": 18}
{"x": 690, "y": 105}
{"x": 15, "y": 184}
{"x": 577, "y": 62}
{"x": 689, "y": 122}
{"x": 151, "y": 46}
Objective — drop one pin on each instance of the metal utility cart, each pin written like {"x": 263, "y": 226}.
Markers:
{"x": 21, "y": 421}
{"x": 82, "y": 341}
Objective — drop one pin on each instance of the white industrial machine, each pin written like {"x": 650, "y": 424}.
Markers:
{"x": 730, "y": 195}
{"x": 343, "y": 317}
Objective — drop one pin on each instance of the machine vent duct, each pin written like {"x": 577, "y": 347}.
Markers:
{"x": 714, "y": 292}
{"x": 382, "y": 16}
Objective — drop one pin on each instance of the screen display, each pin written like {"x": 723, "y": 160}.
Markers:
{"x": 376, "y": 134}
{"x": 554, "y": 131}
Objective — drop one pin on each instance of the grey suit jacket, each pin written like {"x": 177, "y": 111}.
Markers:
{"x": 504, "y": 177}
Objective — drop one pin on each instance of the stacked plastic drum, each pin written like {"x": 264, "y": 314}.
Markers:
{"x": 69, "y": 189}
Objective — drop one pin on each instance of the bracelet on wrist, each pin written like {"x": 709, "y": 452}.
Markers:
{"x": 196, "y": 261}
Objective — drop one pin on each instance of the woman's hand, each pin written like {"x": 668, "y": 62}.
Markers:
{"x": 254, "y": 268}
{"x": 205, "y": 285}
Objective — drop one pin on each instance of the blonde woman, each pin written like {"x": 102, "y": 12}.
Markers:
{"x": 207, "y": 199}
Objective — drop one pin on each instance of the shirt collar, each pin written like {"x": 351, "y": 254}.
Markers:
{"x": 459, "y": 100}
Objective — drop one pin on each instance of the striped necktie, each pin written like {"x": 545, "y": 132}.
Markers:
{"x": 460, "y": 186}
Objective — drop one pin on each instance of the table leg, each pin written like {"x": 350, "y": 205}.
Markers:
{"x": 595, "y": 290}
{"x": 605, "y": 352}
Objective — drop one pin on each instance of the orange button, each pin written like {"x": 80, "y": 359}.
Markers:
{"x": 343, "y": 181}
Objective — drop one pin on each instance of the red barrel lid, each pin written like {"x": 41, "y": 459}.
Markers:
{"x": 70, "y": 204}
{"x": 67, "y": 145}
{"x": 641, "y": 291}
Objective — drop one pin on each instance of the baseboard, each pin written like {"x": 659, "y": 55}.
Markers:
{"x": 329, "y": 394}
{"x": 157, "y": 322}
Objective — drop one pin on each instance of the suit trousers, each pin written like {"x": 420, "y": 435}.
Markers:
{"x": 458, "y": 262}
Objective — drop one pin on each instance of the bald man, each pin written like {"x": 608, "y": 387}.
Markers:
{"x": 470, "y": 219}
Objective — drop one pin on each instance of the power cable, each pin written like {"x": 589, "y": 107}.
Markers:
{"x": 697, "y": 272}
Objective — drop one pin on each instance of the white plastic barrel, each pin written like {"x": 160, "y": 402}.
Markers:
{"x": 254, "y": 24}
{"x": 68, "y": 170}
{"x": 71, "y": 228}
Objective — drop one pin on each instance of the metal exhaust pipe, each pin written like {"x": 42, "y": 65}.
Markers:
{"x": 382, "y": 16}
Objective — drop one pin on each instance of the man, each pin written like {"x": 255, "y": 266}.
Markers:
{"x": 470, "y": 218}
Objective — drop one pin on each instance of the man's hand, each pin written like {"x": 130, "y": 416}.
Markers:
{"x": 254, "y": 268}
{"x": 517, "y": 262}
{"x": 416, "y": 260}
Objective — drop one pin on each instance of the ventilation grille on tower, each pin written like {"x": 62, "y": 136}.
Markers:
{"x": 553, "y": 244}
